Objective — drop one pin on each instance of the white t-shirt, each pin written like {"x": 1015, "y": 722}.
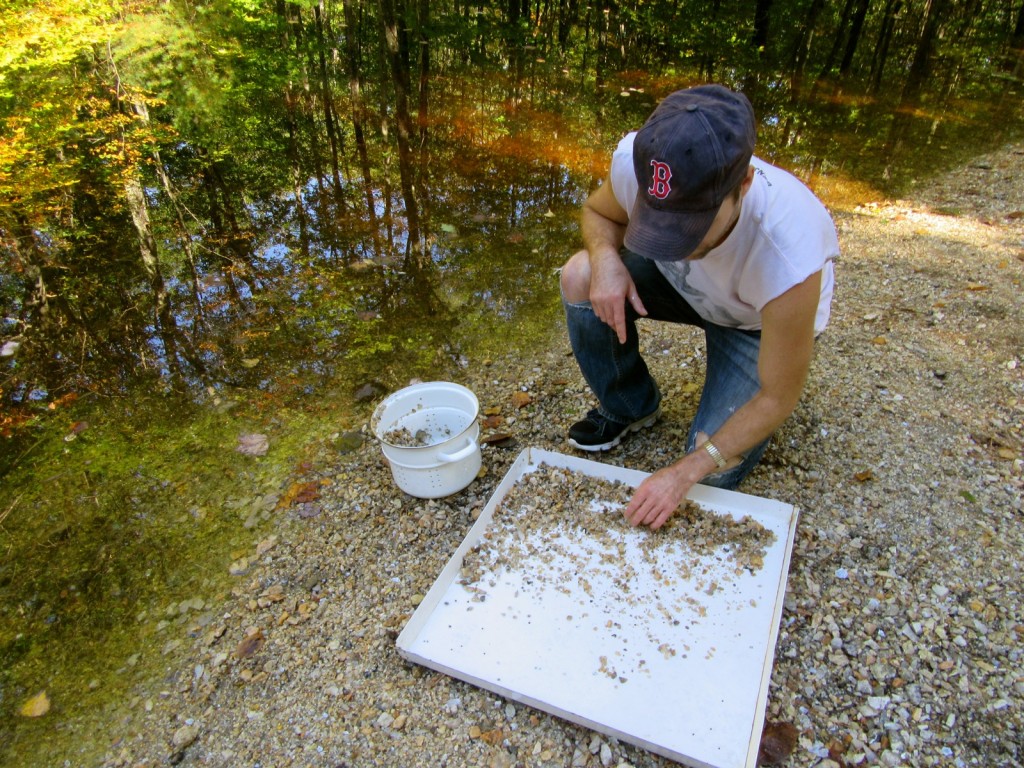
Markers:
{"x": 783, "y": 236}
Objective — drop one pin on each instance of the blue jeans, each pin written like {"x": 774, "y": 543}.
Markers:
{"x": 625, "y": 389}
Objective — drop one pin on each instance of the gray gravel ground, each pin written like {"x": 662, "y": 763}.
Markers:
{"x": 902, "y": 634}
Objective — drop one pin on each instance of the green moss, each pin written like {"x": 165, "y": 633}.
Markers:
{"x": 120, "y": 511}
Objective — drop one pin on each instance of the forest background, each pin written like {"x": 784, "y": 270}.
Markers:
{"x": 229, "y": 212}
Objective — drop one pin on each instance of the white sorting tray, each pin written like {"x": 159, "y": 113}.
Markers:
{"x": 678, "y": 666}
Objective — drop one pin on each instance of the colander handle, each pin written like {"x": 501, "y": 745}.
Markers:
{"x": 460, "y": 454}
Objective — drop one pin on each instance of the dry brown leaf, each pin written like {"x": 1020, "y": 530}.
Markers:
{"x": 37, "y": 706}
{"x": 250, "y": 645}
{"x": 864, "y": 476}
{"x": 492, "y": 422}
{"x": 521, "y": 399}
{"x": 778, "y": 740}
{"x": 493, "y": 737}
{"x": 300, "y": 493}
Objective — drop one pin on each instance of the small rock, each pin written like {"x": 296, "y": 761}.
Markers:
{"x": 452, "y": 705}
{"x": 184, "y": 736}
{"x": 347, "y": 442}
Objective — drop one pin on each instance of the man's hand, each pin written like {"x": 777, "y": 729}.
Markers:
{"x": 603, "y": 223}
{"x": 610, "y": 288}
{"x": 659, "y": 495}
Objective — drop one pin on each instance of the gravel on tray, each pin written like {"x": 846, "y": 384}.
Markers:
{"x": 902, "y": 632}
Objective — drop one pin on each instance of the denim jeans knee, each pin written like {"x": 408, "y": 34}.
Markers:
{"x": 616, "y": 373}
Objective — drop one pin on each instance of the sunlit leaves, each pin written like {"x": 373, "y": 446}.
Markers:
{"x": 42, "y": 36}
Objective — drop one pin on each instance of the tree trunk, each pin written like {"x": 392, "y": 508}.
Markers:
{"x": 328, "y": 100}
{"x": 881, "y": 53}
{"x": 920, "y": 68}
{"x": 856, "y": 26}
{"x": 568, "y": 11}
{"x": 802, "y": 47}
{"x": 762, "y": 19}
{"x": 163, "y": 316}
{"x": 837, "y": 41}
{"x": 708, "y": 62}
{"x": 391, "y": 12}
{"x": 423, "y": 113}
{"x": 293, "y": 140}
{"x": 1016, "y": 53}
{"x": 355, "y": 89}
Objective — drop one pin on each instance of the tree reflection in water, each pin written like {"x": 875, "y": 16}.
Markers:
{"x": 354, "y": 191}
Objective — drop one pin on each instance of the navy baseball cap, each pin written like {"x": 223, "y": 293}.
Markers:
{"x": 693, "y": 150}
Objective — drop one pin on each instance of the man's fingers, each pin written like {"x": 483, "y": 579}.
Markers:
{"x": 637, "y": 305}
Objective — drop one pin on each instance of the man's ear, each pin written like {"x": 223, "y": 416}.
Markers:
{"x": 748, "y": 180}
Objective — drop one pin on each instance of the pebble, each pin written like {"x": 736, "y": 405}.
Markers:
{"x": 184, "y": 736}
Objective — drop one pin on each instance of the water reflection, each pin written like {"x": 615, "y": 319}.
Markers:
{"x": 329, "y": 279}
{"x": 499, "y": 209}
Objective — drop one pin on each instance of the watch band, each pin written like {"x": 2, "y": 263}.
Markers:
{"x": 715, "y": 454}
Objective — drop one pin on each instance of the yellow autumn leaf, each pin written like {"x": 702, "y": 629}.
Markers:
{"x": 37, "y": 706}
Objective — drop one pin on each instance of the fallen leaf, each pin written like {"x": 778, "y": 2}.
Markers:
{"x": 492, "y": 410}
{"x": 778, "y": 740}
{"x": 274, "y": 593}
{"x": 492, "y": 422}
{"x": 880, "y": 340}
{"x": 37, "y": 706}
{"x": 1015, "y": 215}
{"x": 977, "y": 287}
{"x": 253, "y": 444}
{"x": 864, "y": 476}
{"x": 300, "y": 493}
{"x": 249, "y": 645}
{"x": 493, "y": 737}
{"x": 521, "y": 399}
{"x": 836, "y": 750}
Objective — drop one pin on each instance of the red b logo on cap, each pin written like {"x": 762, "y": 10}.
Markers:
{"x": 660, "y": 186}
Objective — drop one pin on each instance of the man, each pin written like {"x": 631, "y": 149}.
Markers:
{"x": 691, "y": 228}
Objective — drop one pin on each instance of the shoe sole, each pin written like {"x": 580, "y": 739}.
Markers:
{"x": 636, "y": 426}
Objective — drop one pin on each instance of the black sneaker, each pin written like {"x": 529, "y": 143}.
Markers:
{"x": 597, "y": 433}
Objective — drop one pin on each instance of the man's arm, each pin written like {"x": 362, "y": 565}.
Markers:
{"x": 787, "y": 345}
{"x": 603, "y": 226}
